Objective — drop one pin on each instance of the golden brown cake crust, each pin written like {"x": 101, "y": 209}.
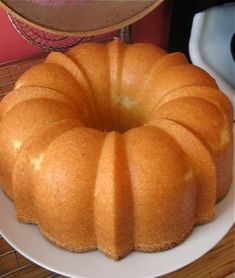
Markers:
{"x": 116, "y": 147}
{"x": 116, "y": 256}
{"x": 165, "y": 245}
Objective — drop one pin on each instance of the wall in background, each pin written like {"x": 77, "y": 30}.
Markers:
{"x": 12, "y": 45}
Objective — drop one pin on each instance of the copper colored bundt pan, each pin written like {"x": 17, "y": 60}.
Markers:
{"x": 79, "y": 17}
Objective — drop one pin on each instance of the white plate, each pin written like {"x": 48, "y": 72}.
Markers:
{"x": 209, "y": 45}
{"x": 26, "y": 239}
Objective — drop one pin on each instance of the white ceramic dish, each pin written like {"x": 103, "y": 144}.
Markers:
{"x": 26, "y": 239}
{"x": 209, "y": 45}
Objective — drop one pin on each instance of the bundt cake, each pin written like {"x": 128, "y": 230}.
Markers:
{"x": 116, "y": 147}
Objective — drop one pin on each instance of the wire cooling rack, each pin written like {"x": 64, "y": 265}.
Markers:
{"x": 49, "y": 42}
{"x": 52, "y": 42}
{"x": 10, "y": 73}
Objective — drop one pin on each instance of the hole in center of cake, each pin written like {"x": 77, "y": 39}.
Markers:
{"x": 123, "y": 114}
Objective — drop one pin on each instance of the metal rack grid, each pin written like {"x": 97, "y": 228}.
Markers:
{"x": 10, "y": 73}
{"x": 12, "y": 263}
{"x": 53, "y": 42}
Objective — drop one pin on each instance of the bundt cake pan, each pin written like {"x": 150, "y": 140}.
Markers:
{"x": 79, "y": 17}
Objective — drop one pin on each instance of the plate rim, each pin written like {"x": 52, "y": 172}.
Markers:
{"x": 172, "y": 268}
